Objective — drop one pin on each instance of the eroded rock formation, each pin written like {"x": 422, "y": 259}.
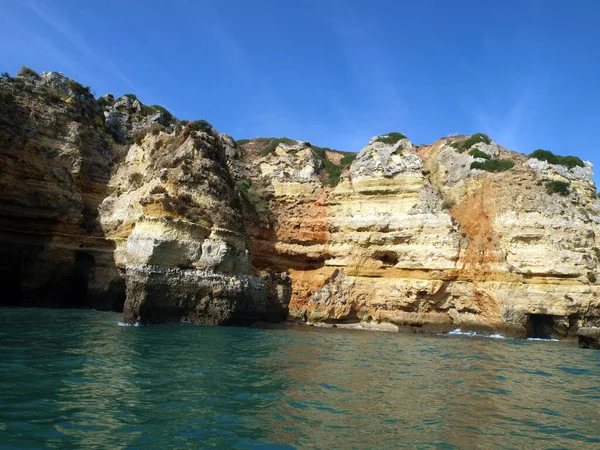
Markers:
{"x": 415, "y": 237}
{"x": 112, "y": 204}
{"x": 55, "y": 164}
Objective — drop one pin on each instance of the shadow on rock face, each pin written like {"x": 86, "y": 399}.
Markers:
{"x": 55, "y": 160}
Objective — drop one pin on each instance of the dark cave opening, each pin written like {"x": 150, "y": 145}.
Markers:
{"x": 77, "y": 295}
{"x": 10, "y": 280}
{"x": 119, "y": 297}
{"x": 541, "y": 326}
{"x": 386, "y": 257}
{"x": 70, "y": 281}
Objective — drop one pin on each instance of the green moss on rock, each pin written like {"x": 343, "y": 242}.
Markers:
{"x": 493, "y": 165}
{"x": 558, "y": 187}
{"x": 463, "y": 146}
{"x": 390, "y": 138}
{"x": 546, "y": 155}
{"x": 476, "y": 153}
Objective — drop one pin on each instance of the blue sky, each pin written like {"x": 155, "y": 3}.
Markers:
{"x": 334, "y": 72}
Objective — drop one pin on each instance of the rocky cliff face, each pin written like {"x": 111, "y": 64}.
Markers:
{"x": 114, "y": 204}
{"x": 108, "y": 205}
{"x": 416, "y": 237}
{"x": 55, "y": 164}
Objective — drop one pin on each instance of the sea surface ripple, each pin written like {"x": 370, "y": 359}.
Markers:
{"x": 75, "y": 378}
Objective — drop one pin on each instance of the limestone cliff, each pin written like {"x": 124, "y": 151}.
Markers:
{"x": 416, "y": 237}
{"x": 55, "y": 164}
{"x": 111, "y": 203}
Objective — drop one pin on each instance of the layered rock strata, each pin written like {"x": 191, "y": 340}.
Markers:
{"x": 108, "y": 207}
{"x": 415, "y": 237}
{"x": 112, "y": 204}
{"x": 55, "y": 164}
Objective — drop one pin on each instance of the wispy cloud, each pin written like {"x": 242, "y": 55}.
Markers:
{"x": 364, "y": 57}
{"x": 380, "y": 107}
{"x": 227, "y": 52}
{"x": 47, "y": 13}
{"x": 230, "y": 49}
{"x": 506, "y": 128}
{"x": 511, "y": 121}
{"x": 56, "y": 22}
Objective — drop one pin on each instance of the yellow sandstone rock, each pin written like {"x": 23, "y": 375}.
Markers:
{"x": 173, "y": 221}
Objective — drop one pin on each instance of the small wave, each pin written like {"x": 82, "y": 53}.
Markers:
{"x": 459, "y": 332}
{"x": 497, "y": 336}
{"x": 123, "y": 324}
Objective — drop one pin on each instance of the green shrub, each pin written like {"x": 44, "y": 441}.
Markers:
{"x": 558, "y": 187}
{"x": 133, "y": 97}
{"x": 242, "y": 141}
{"x": 78, "y": 88}
{"x": 103, "y": 102}
{"x": 147, "y": 110}
{"x": 5, "y": 97}
{"x": 476, "y": 153}
{"x": 390, "y": 138}
{"x": 166, "y": 113}
{"x": 272, "y": 145}
{"x": 28, "y": 72}
{"x": 348, "y": 159}
{"x": 50, "y": 93}
{"x": 199, "y": 125}
{"x": 493, "y": 165}
{"x": 551, "y": 158}
{"x": 255, "y": 196}
{"x": 319, "y": 150}
{"x": 5, "y": 76}
{"x": 476, "y": 138}
{"x": 544, "y": 155}
{"x": 571, "y": 161}
{"x": 333, "y": 170}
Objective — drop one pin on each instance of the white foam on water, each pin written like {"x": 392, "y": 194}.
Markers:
{"x": 459, "y": 332}
{"x": 497, "y": 336}
{"x": 123, "y": 324}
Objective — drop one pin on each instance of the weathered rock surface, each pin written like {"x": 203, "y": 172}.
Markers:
{"x": 415, "y": 237}
{"x": 114, "y": 204}
{"x": 589, "y": 337}
{"x": 185, "y": 255}
{"x": 55, "y": 164}
{"x": 127, "y": 116}
{"x": 153, "y": 227}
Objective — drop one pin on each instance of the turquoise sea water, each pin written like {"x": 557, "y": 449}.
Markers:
{"x": 74, "y": 378}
